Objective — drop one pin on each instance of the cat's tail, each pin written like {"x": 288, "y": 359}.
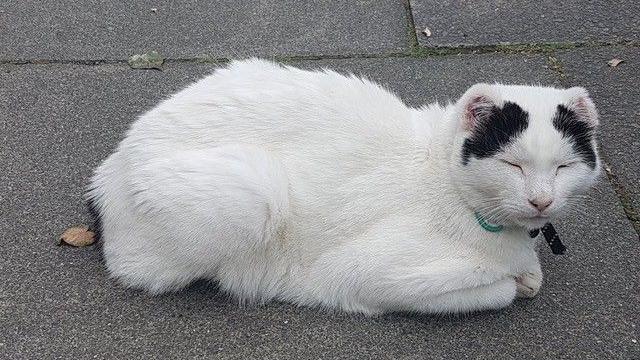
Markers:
{"x": 95, "y": 220}
{"x": 94, "y": 195}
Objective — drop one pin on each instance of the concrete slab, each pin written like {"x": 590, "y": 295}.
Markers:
{"x": 477, "y": 23}
{"x": 615, "y": 90}
{"x": 59, "y": 121}
{"x": 94, "y": 29}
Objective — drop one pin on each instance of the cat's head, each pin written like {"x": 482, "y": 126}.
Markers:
{"x": 523, "y": 153}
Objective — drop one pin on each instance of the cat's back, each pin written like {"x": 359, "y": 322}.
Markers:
{"x": 264, "y": 103}
{"x": 343, "y": 141}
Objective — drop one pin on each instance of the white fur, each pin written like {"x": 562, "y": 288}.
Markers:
{"x": 323, "y": 189}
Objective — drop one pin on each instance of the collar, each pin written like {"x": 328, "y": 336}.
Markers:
{"x": 548, "y": 231}
{"x": 486, "y": 225}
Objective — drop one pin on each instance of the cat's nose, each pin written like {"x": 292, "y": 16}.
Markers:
{"x": 540, "y": 203}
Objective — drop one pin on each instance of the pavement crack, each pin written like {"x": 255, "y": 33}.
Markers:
{"x": 632, "y": 214}
{"x": 415, "y": 51}
{"x": 411, "y": 27}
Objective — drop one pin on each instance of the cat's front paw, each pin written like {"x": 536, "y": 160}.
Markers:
{"x": 528, "y": 285}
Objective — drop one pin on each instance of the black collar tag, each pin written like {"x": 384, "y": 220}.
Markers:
{"x": 552, "y": 238}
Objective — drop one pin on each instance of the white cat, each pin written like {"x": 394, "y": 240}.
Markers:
{"x": 323, "y": 189}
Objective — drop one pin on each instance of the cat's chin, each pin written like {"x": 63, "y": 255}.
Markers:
{"x": 532, "y": 223}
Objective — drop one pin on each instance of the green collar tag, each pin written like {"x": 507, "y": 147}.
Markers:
{"x": 485, "y": 225}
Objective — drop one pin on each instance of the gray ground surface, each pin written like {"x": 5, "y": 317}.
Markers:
{"x": 58, "y": 121}
{"x": 454, "y": 22}
{"x": 94, "y": 29}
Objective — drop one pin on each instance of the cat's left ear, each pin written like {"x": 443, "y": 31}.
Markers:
{"x": 579, "y": 101}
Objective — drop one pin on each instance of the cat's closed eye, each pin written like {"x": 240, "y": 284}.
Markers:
{"x": 563, "y": 166}
{"x": 514, "y": 165}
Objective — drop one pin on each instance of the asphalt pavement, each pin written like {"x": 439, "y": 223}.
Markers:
{"x": 67, "y": 95}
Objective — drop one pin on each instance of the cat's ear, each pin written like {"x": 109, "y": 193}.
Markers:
{"x": 579, "y": 101}
{"x": 476, "y": 105}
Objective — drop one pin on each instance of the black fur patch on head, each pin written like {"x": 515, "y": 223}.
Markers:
{"x": 495, "y": 131}
{"x": 579, "y": 132}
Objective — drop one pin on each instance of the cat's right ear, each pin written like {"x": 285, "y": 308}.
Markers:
{"x": 476, "y": 105}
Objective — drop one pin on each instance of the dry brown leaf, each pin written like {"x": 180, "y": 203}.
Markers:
{"x": 77, "y": 236}
{"x": 614, "y": 62}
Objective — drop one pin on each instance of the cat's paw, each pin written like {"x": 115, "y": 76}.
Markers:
{"x": 528, "y": 285}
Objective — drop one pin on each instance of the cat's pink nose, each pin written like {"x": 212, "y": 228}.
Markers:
{"x": 540, "y": 203}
